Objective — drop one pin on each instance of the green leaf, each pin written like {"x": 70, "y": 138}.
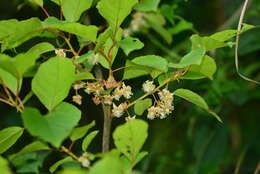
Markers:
{"x": 108, "y": 163}
{"x": 86, "y": 32}
{"x": 55, "y": 126}
{"x": 140, "y": 156}
{"x": 84, "y": 76}
{"x": 207, "y": 69}
{"x": 130, "y": 44}
{"x": 4, "y": 166}
{"x": 142, "y": 105}
{"x": 207, "y": 43}
{"x": 52, "y": 82}
{"x": 102, "y": 38}
{"x": 88, "y": 139}
{"x": 147, "y": 5}
{"x": 8, "y": 137}
{"x": 133, "y": 70}
{"x": 35, "y": 146}
{"x": 152, "y": 61}
{"x": 157, "y": 21}
{"x": 130, "y": 137}
{"x": 195, "y": 99}
{"x": 195, "y": 57}
{"x": 26, "y": 60}
{"x": 115, "y": 11}
{"x": 181, "y": 26}
{"x": 72, "y": 9}
{"x": 9, "y": 80}
{"x": 54, "y": 167}
{"x": 19, "y": 32}
{"x": 29, "y": 163}
{"x": 37, "y": 2}
{"x": 80, "y": 132}
{"x": 58, "y": 2}
{"x": 224, "y": 35}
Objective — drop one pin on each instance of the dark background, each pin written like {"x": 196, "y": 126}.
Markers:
{"x": 189, "y": 141}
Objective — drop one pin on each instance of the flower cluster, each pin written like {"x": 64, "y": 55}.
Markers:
{"x": 163, "y": 107}
{"x": 137, "y": 23}
{"x": 125, "y": 91}
{"x": 60, "y": 52}
{"x": 118, "y": 111}
{"x": 148, "y": 86}
{"x": 84, "y": 160}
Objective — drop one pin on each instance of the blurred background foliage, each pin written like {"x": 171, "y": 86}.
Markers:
{"x": 189, "y": 141}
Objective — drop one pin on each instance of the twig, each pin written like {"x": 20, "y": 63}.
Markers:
{"x": 237, "y": 44}
{"x": 67, "y": 151}
{"x": 257, "y": 168}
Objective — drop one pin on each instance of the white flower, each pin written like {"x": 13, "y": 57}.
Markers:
{"x": 127, "y": 91}
{"x": 148, "y": 86}
{"x": 118, "y": 111}
{"x": 60, "y": 52}
{"x": 117, "y": 93}
{"x": 153, "y": 112}
{"x": 108, "y": 99}
{"x": 79, "y": 85}
{"x": 77, "y": 99}
{"x": 166, "y": 96}
{"x": 84, "y": 161}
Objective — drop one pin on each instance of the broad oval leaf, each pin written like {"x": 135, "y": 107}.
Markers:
{"x": 206, "y": 69}
{"x": 115, "y": 11}
{"x": 195, "y": 57}
{"x": 152, "y": 61}
{"x": 52, "y": 82}
{"x": 195, "y": 99}
{"x": 86, "y": 32}
{"x": 55, "y": 126}
{"x": 88, "y": 139}
{"x": 34, "y": 146}
{"x": 142, "y": 105}
{"x": 37, "y": 2}
{"x": 72, "y": 9}
{"x": 8, "y": 137}
{"x": 130, "y": 137}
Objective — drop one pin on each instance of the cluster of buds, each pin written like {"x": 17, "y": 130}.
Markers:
{"x": 84, "y": 160}
{"x": 163, "y": 107}
{"x": 137, "y": 23}
{"x": 60, "y": 52}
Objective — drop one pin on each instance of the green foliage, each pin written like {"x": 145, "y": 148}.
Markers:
{"x": 52, "y": 82}
{"x": 86, "y": 32}
{"x": 130, "y": 137}
{"x": 79, "y": 132}
{"x": 88, "y": 139}
{"x": 147, "y": 5}
{"x": 54, "y": 167}
{"x": 55, "y": 126}
{"x": 130, "y": 44}
{"x": 142, "y": 105}
{"x": 34, "y": 146}
{"x": 9, "y": 136}
{"x": 120, "y": 8}
{"x": 72, "y": 9}
{"x": 4, "y": 166}
{"x": 195, "y": 99}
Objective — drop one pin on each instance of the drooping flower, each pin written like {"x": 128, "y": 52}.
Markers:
{"x": 94, "y": 88}
{"x": 118, "y": 111}
{"x": 148, "y": 86}
{"x": 79, "y": 85}
{"x": 108, "y": 99}
{"x": 60, "y": 52}
{"x": 166, "y": 96}
{"x": 96, "y": 100}
{"x": 127, "y": 91}
{"x": 77, "y": 99}
{"x": 118, "y": 92}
